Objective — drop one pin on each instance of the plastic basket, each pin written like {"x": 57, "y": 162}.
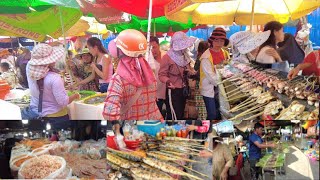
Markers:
{"x": 132, "y": 144}
{"x": 150, "y": 127}
{"x": 111, "y": 143}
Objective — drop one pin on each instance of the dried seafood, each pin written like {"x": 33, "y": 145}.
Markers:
{"x": 41, "y": 167}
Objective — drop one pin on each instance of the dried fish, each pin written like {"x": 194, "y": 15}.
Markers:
{"x": 120, "y": 161}
{"x": 118, "y": 168}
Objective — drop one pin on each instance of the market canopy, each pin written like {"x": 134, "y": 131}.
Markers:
{"x": 160, "y": 24}
{"x": 138, "y": 7}
{"x": 219, "y": 12}
{"x": 21, "y": 7}
{"x": 37, "y": 25}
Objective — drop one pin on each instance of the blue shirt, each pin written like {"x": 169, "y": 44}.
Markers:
{"x": 254, "y": 151}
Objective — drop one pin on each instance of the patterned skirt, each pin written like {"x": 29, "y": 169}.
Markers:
{"x": 201, "y": 107}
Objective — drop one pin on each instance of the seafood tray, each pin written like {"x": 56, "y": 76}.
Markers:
{"x": 84, "y": 94}
{"x": 95, "y": 99}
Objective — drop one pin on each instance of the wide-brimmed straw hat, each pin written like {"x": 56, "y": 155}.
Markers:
{"x": 44, "y": 54}
{"x": 4, "y": 52}
{"x": 214, "y": 135}
{"x": 84, "y": 51}
{"x": 254, "y": 42}
{"x": 181, "y": 41}
{"x": 238, "y": 38}
{"x": 219, "y": 33}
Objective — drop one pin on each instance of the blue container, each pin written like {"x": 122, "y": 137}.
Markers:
{"x": 150, "y": 127}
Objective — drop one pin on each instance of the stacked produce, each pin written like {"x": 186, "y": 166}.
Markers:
{"x": 272, "y": 160}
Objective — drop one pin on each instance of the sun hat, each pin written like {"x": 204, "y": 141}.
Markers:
{"x": 238, "y": 38}
{"x": 219, "y": 33}
{"x": 254, "y": 42}
{"x": 112, "y": 48}
{"x": 44, "y": 54}
{"x": 84, "y": 51}
{"x": 181, "y": 41}
{"x": 214, "y": 135}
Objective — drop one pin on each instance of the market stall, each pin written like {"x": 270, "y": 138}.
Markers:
{"x": 36, "y": 151}
{"x": 249, "y": 92}
{"x": 155, "y": 151}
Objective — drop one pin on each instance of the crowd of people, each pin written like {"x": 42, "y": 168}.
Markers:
{"x": 161, "y": 81}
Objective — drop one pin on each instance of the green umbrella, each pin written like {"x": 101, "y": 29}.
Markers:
{"x": 160, "y": 24}
{"x": 22, "y": 7}
{"x": 37, "y": 25}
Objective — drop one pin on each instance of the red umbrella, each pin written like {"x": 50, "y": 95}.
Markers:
{"x": 138, "y": 7}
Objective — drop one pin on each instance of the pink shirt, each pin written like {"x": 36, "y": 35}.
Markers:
{"x": 110, "y": 72}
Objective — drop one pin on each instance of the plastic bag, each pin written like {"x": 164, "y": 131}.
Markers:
{"x": 94, "y": 153}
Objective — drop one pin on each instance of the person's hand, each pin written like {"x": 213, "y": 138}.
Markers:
{"x": 223, "y": 175}
{"x": 293, "y": 73}
{"x": 205, "y": 153}
{"x": 77, "y": 95}
{"x": 272, "y": 145}
{"x": 272, "y": 52}
{"x": 170, "y": 85}
{"x": 93, "y": 65}
{"x": 192, "y": 128}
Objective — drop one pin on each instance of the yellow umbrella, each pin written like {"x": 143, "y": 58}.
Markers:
{"x": 78, "y": 29}
{"x": 219, "y": 12}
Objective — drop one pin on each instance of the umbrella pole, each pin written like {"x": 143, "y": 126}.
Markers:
{"x": 252, "y": 15}
{"x": 149, "y": 28}
{"x": 62, "y": 28}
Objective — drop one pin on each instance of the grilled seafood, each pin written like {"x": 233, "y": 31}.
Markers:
{"x": 167, "y": 168}
{"x": 149, "y": 174}
{"x": 126, "y": 155}
{"x": 273, "y": 107}
{"x": 120, "y": 161}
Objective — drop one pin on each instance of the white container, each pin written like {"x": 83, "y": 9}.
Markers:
{"x": 84, "y": 111}
{"x": 9, "y": 111}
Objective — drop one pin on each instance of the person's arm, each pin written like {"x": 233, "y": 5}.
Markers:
{"x": 201, "y": 129}
{"x": 272, "y": 52}
{"x": 294, "y": 72}
{"x": 60, "y": 93}
{"x": 87, "y": 80}
{"x": 105, "y": 68}
{"x": 164, "y": 70}
{"x": 229, "y": 162}
{"x": 207, "y": 69}
{"x": 112, "y": 105}
{"x": 262, "y": 145}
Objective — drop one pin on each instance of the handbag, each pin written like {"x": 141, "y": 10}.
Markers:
{"x": 186, "y": 90}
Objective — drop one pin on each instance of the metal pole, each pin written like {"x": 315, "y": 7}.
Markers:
{"x": 252, "y": 15}
{"x": 149, "y": 29}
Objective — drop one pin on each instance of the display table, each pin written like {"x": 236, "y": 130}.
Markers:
{"x": 81, "y": 111}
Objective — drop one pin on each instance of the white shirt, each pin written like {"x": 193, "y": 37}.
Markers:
{"x": 264, "y": 58}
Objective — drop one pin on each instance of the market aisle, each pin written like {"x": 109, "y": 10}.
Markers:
{"x": 298, "y": 166}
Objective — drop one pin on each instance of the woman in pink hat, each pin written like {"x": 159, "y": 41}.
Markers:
{"x": 210, "y": 59}
{"x": 49, "y": 98}
{"x": 174, "y": 71}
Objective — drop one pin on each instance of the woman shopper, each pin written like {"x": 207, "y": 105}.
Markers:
{"x": 212, "y": 57}
{"x": 49, "y": 98}
{"x": 200, "y": 105}
{"x": 174, "y": 71}
{"x": 100, "y": 53}
{"x": 268, "y": 56}
{"x": 85, "y": 72}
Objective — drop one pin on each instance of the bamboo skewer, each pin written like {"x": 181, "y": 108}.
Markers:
{"x": 243, "y": 107}
{"x": 192, "y": 170}
{"x": 237, "y": 98}
{"x": 254, "y": 116}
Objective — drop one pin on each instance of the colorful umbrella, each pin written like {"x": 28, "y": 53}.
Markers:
{"x": 37, "y": 25}
{"x": 160, "y": 24}
{"x": 21, "y": 7}
{"x": 138, "y": 7}
{"x": 221, "y": 12}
